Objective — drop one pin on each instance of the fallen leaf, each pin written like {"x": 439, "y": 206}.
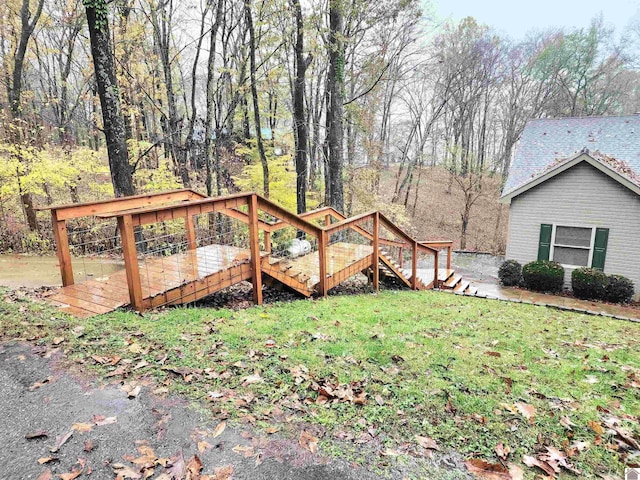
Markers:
{"x": 100, "y": 420}
{"x": 567, "y": 423}
{"x": 134, "y": 392}
{"x": 219, "y": 429}
{"x": 60, "y": 441}
{"x": 88, "y": 445}
{"x": 379, "y": 400}
{"x": 272, "y": 430}
{"x": 502, "y": 451}
{"x": 194, "y": 467}
{"x": 493, "y": 354}
{"x": 123, "y": 471}
{"x": 46, "y": 475}
{"x": 71, "y": 475}
{"x": 58, "y": 340}
{"x": 487, "y": 471}
{"x": 251, "y": 379}
{"x": 44, "y": 460}
{"x": 220, "y": 473}
{"x": 175, "y": 467}
{"x": 82, "y": 427}
{"x": 37, "y": 385}
{"x": 37, "y": 435}
{"x": 530, "y": 461}
{"x": 308, "y": 441}
{"x": 426, "y": 442}
{"x": 203, "y": 446}
{"x": 516, "y": 472}
{"x": 135, "y": 348}
{"x": 527, "y": 411}
{"x": 596, "y": 427}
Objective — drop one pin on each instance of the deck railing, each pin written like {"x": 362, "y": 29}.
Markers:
{"x": 372, "y": 231}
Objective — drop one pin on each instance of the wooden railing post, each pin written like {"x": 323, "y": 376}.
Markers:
{"x": 191, "y": 233}
{"x": 267, "y": 241}
{"x": 436, "y": 282}
{"x": 449, "y": 249}
{"x": 376, "y": 251}
{"x": 62, "y": 249}
{"x": 414, "y": 266}
{"x": 400, "y": 259}
{"x": 125, "y": 225}
{"x": 256, "y": 270}
{"x": 327, "y": 220}
{"x": 322, "y": 260}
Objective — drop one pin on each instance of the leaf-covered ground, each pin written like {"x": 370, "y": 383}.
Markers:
{"x": 379, "y": 378}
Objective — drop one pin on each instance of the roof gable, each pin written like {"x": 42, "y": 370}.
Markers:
{"x": 618, "y": 171}
{"x": 548, "y": 144}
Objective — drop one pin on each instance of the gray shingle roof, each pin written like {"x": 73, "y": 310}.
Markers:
{"x": 546, "y": 141}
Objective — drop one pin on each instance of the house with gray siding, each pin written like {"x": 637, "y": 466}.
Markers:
{"x": 574, "y": 195}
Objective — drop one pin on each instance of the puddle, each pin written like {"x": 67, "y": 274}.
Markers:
{"x": 39, "y": 271}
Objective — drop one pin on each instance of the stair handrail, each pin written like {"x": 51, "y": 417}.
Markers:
{"x": 416, "y": 245}
{"x": 448, "y": 244}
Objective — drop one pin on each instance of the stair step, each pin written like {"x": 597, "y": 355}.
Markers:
{"x": 452, "y": 281}
{"x": 462, "y": 286}
{"x": 472, "y": 291}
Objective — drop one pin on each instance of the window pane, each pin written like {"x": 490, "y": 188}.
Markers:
{"x": 575, "y": 236}
{"x": 571, "y": 256}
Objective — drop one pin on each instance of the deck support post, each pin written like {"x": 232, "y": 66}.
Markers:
{"x": 414, "y": 267}
{"x": 449, "y": 249}
{"x": 191, "y": 233}
{"x": 322, "y": 260}
{"x": 256, "y": 271}
{"x": 62, "y": 249}
{"x": 125, "y": 225}
{"x": 376, "y": 252}
{"x": 436, "y": 282}
{"x": 267, "y": 241}
{"x": 400, "y": 261}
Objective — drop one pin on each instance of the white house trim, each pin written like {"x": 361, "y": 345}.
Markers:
{"x": 580, "y": 157}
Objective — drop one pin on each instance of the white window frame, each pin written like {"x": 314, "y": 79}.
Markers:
{"x": 590, "y": 248}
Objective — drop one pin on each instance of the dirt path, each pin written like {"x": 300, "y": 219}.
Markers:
{"x": 109, "y": 428}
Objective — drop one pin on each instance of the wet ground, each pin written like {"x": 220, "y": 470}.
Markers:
{"x": 34, "y": 271}
{"x": 108, "y": 428}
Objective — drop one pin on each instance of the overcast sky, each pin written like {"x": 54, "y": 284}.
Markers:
{"x": 515, "y": 18}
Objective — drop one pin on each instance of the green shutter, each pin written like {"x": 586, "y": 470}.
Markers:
{"x": 544, "y": 245}
{"x": 600, "y": 248}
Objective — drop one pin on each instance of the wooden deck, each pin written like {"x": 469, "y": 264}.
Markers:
{"x": 161, "y": 278}
{"x": 148, "y": 282}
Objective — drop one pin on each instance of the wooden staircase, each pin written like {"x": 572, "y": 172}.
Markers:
{"x": 447, "y": 278}
{"x": 154, "y": 281}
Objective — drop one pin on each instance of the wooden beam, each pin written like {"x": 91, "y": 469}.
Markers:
{"x": 256, "y": 274}
{"x": 436, "y": 282}
{"x": 376, "y": 252}
{"x": 77, "y": 210}
{"x": 192, "y": 243}
{"x": 290, "y": 218}
{"x": 414, "y": 266}
{"x": 62, "y": 249}
{"x": 449, "y": 249}
{"x": 322, "y": 260}
{"x": 130, "y": 253}
{"x": 267, "y": 241}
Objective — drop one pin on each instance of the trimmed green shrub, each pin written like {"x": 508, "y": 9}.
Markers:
{"x": 543, "y": 276}
{"x": 510, "y": 273}
{"x": 588, "y": 283}
{"x": 619, "y": 289}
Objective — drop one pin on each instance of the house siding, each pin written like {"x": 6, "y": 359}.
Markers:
{"x": 580, "y": 196}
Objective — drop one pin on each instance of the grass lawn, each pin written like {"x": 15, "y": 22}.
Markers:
{"x": 367, "y": 374}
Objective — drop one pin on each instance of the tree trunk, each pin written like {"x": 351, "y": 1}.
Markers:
{"x": 254, "y": 95}
{"x": 335, "y": 107}
{"x": 299, "y": 116}
{"x": 114, "y": 128}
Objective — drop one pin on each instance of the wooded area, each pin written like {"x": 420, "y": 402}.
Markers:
{"x": 344, "y": 103}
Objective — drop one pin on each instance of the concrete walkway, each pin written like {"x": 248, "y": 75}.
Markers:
{"x": 492, "y": 290}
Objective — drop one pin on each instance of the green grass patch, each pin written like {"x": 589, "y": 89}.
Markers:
{"x": 398, "y": 364}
